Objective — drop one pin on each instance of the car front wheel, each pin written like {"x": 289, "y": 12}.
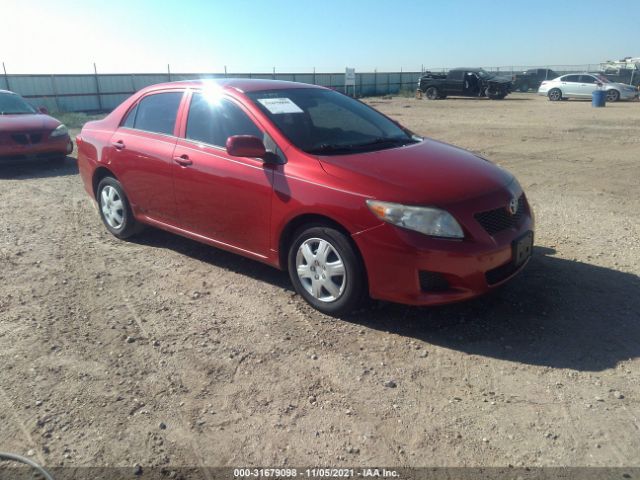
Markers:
{"x": 613, "y": 95}
{"x": 326, "y": 270}
{"x": 115, "y": 210}
{"x": 432, "y": 93}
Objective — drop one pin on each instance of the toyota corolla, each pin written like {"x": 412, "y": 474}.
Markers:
{"x": 311, "y": 181}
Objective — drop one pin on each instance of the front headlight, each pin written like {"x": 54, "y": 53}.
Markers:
{"x": 427, "y": 220}
{"x": 59, "y": 131}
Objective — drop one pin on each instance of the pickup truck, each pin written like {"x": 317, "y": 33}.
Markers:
{"x": 532, "y": 78}
{"x": 464, "y": 82}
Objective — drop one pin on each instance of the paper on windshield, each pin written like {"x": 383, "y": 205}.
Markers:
{"x": 280, "y": 105}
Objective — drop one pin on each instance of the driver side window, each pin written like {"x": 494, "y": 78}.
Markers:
{"x": 212, "y": 122}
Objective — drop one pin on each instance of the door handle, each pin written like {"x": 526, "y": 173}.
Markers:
{"x": 119, "y": 145}
{"x": 183, "y": 160}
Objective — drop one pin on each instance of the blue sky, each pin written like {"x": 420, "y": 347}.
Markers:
{"x": 67, "y": 36}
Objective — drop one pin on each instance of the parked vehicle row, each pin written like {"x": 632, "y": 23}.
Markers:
{"x": 27, "y": 133}
{"x": 308, "y": 180}
{"x": 532, "y": 79}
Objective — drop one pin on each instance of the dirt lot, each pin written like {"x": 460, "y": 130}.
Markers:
{"x": 161, "y": 351}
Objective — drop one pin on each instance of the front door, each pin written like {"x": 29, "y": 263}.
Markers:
{"x": 226, "y": 199}
{"x": 588, "y": 84}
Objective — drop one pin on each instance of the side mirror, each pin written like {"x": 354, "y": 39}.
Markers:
{"x": 43, "y": 110}
{"x": 599, "y": 84}
{"x": 245, "y": 146}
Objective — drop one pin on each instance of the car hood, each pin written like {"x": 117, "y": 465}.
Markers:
{"x": 36, "y": 121}
{"x": 499, "y": 79}
{"x": 428, "y": 172}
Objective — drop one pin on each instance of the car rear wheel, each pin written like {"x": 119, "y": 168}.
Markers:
{"x": 613, "y": 95}
{"x": 555, "y": 94}
{"x": 432, "y": 93}
{"x": 326, "y": 270}
{"x": 115, "y": 210}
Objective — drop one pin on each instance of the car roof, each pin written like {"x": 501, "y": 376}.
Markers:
{"x": 240, "y": 84}
{"x": 466, "y": 69}
{"x": 7, "y": 91}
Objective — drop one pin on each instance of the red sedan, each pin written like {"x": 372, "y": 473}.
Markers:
{"x": 26, "y": 133}
{"x": 311, "y": 181}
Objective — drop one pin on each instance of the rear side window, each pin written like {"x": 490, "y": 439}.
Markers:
{"x": 155, "y": 113}
{"x": 130, "y": 118}
{"x": 456, "y": 75}
{"x": 212, "y": 122}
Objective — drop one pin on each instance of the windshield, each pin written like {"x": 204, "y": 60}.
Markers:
{"x": 484, "y": 74}
{"x": 11, "y": 104}
{"x": 602, "y": 78}
{"x": 326, "y": 122}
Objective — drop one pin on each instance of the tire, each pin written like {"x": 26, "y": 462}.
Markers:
{"x": 115, "y": 210}
{"x": 432, "y": 93}
{"x": 315, "y": 251}
{"x": 555, "y": 94}
{"x": 613, "y": 95}
{"x": 524, "y": 87}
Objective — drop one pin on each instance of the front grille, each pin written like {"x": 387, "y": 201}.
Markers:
{"x": 27, "y": 138}
{"x": 499, "y": 219}
{"x": 500, "y": 273}
{"x": 21, "y": 138}
{"x": 432, "y": 281}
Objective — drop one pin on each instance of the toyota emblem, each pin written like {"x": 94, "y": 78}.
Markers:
{"x": 513, "y": 206}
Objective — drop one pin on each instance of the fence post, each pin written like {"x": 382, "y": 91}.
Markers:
{"x": 375, "y": 81}
{"x": 314, "y": 76}
{"x": 169, "y": 72}
{"x": 95, "y": 73}
{"x": 6, "y": 77}
{"x": 55, "y": 92}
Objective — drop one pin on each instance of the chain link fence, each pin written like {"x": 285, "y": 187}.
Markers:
{"x": 102, "y": 92}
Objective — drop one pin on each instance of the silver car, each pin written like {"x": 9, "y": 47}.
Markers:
{"x": 582, "y": 85}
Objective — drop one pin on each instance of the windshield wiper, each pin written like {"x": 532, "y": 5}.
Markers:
{"x": 351, "y": 147}
{"x": 384, "y": 141}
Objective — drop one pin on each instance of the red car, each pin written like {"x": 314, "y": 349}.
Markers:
{"x": 311, "y": 181}
{"x": 26, "y": 133}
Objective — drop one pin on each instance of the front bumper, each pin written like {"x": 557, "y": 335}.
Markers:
{"x": 396, "y": 260}
{"x": 49, "y": 148}
{"x": 628, "y": 94}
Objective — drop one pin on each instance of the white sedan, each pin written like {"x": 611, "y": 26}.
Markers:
{"x": 582, "y": 85}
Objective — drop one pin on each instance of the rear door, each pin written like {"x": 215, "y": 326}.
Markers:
{"x": 142, "y": 151}
{"x": 454, "y": 84}
{"x": 224, "y": 198}
{"x": 570, "y": 85}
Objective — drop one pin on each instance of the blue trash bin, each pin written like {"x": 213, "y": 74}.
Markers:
{"x": 599, "y": 98}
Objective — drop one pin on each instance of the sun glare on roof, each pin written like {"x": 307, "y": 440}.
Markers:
{"x": 212, "y": 93}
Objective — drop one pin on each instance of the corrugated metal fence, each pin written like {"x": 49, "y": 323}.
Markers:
{"x": 103, "y": 92}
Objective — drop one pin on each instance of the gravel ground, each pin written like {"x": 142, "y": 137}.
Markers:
{"x": 164, "y": 352}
